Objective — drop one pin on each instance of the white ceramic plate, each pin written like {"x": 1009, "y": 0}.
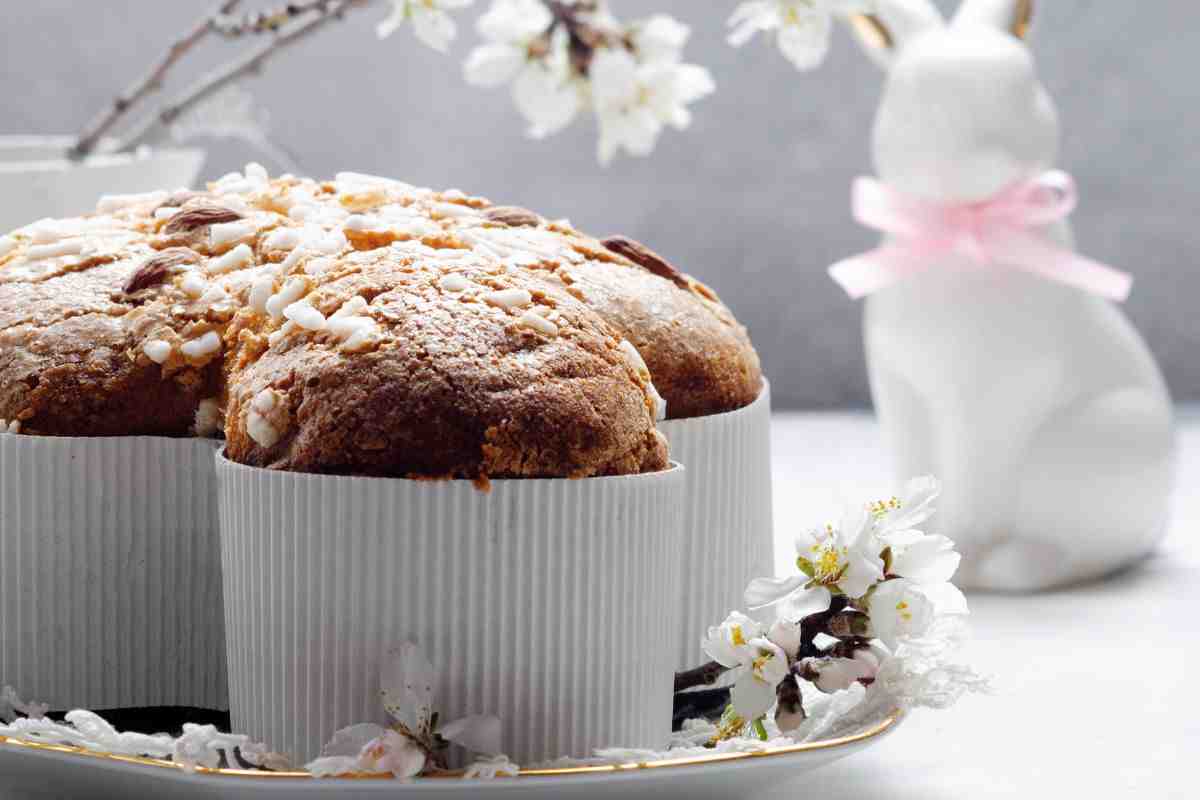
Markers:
{"x": 38, "y": 770}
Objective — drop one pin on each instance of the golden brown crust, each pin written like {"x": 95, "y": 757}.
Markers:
{"x": 454, "y": 387}
{"x": 362, "y": 325}
{"x": 699, "y": 356}
{"x": 75, "y": 377}
{"x": 328, "y": 348}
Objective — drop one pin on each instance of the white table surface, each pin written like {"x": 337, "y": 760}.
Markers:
{"x": 1098, "y": 686}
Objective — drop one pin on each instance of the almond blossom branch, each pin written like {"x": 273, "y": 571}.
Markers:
{"x": 152, "y": 82}
{"x": 270, "y": 21}
{"x": 215, "y": 81}
{"x": 704, "y": 675}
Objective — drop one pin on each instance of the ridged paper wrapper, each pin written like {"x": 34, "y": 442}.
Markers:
{"x": 110, "y": 579}
{"x": 551, "y": 604}
{"x": 728, "y": 534}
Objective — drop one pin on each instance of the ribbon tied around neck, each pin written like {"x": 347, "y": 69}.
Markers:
{"x": 1000, "y": 231}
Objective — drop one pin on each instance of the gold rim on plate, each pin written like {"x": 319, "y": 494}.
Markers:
{"x": 881, "y": 727}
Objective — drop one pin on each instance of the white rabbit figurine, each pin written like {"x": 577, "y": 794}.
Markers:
{"x": 1034, "y": 400}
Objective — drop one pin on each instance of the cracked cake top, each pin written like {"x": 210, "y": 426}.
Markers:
{"x": 359, "y": 325}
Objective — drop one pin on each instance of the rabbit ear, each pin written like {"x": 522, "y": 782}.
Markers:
{"x": 897, "y": 21}
{"x": 1014, "y": 16}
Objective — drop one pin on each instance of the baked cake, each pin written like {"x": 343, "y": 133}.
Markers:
{"x": 360, "y": 325}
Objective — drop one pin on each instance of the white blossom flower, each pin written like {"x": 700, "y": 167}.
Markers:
{"x": 756, "y": 664}
{"x": 633, "y": 102}
{"x": 546, "y": 92}
{"x": 430, "y": 20}
{"x": 929, "y": 560}
{"x": 407, "y": 685}
{"x": 729, "y": 643}
{"x": 902, "y": 609}
{"x": 844, "y": 558}
{"x": 898, "y": 517}
{"x": 838, "y": 674}
{"x": 753, "y": 692}
{"x": 787, "y": 635}
{"x": 491, "y": 768}
{"x": 393, "y": 753}
{"x": 510, "y": 28}
{"x": 803, "y": 26}
{"x": 659, "y": 38}
{"x": 520, "y": 48}
{"x": 915, "y": 555}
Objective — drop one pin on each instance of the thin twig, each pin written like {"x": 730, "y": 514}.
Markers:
{"x": 90, "y": 136}
{"x": 817, "y": 623}
{"x": 704, "y": 675}
{"x": 231, "y": 26}
{"x": 216, "y": 81}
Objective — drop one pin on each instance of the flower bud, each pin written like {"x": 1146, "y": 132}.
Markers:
{"x": 786, "y": 636}
{"x": 835, "y": 674}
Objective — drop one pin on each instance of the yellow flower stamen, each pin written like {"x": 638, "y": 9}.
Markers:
{"x": 828, "y": 563}
{"x": 881, "y": 508}
{"x": 737, "y": 636}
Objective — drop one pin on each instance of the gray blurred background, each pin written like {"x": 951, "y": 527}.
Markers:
{"x": 753, "y": 199}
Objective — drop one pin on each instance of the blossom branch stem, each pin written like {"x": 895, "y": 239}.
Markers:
{"x": 150, "y": 83}
{"x": 230, "y": 26}
{"x": 820, "y": 622}
{"x": 789, "y": 709}
{"x": 214, "y": 82}
{"x": 583, "y": 36}
{"x": 704, "y": 675}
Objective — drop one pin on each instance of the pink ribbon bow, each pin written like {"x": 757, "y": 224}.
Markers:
{"x": 996, "y": 231}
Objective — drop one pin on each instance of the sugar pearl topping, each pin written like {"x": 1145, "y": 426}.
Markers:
{"x": 454, "y": 282}
{"x": 305, "y": 316}
{"x": 265, "y": 401}
{"x": 452, "y": 210}
{"x": 193, "y": 285}
{"x": 236, "y": 258}
{"x": 266, "y": 417}
{"x": 253, "y": 179}
{"x": 208, "y": 418}
{"x": 200, "y": 348}
{"x": 634, "y": 358}
{"x": 112, "y": 203}
{"x": 293, "y": 289}
{"x": 282, "y": 239}
{"x": 215, "y": 295}
{"x": 68, "y": 247}
{"x": 352, "y": 327}
{"x": 157, "y": 350}
{"x": 536, "y": 322}
{"x": 225, "y": 233}
{"x": 508, "y": 299}
{"x": 260, "y": 430}
{"x": 260, "y": 292}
